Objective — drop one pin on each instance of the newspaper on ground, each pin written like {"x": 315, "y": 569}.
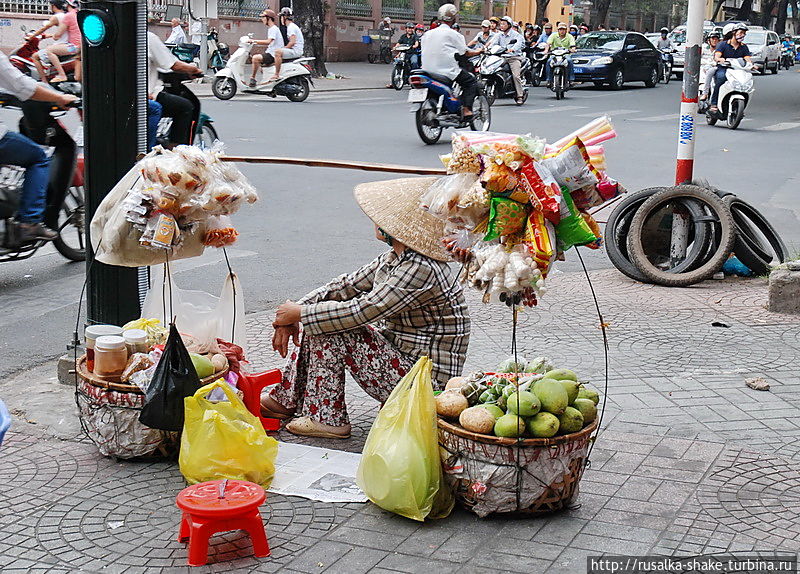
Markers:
{"x": 316, "y": 473}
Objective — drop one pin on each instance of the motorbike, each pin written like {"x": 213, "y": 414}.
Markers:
{"x": 559, "y": 68}
{"x": 218, "y": 52}
{"x": 22, "y": 59}
{"x": 537, "y": 59}
{"x": 734, "y": 94}
{"x": 497, "y": 78}
{"x": 64, "y": 211}
{"x": 402, "y": 67}
{"x": 295, "y": 81}
{"x": 437, "y": 105}
{"x": 189, "y": 53}
{"x": 203, "y": 132}
{"x": 787, "y": 58}
{"x": 665, "y": 66}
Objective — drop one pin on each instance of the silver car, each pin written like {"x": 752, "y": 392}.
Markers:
{"x": 765, "y": 49}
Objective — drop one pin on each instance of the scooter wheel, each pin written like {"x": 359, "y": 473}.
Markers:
{"x": 224, "y": 88}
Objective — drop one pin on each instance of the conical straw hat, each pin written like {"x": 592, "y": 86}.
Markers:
{"x": 393, "y": 205}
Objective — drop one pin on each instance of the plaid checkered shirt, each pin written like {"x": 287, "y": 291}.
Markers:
{"x": 410, "y": 298}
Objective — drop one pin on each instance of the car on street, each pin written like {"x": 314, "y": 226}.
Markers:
{"x": 678, "y": 37}
{"x": 614, "y": 58}
{"x": 765, "y": 49}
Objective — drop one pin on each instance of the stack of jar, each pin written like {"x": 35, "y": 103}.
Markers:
{"x": 108, "y": 349}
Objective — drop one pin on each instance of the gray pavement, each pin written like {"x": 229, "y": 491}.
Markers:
{"x": 689, "y": 460}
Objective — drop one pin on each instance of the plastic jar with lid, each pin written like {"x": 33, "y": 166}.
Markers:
{"x": 110, "y": 357}
{"x": 92, "y": 332}
{"x": 136, "y": 341}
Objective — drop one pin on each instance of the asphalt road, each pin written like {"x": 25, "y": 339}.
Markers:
{"x": 307, "y": 228}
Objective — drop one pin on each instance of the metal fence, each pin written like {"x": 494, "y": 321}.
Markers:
{"x": 354, "y": 8}
{"x": 400, "y": 9}
{"x": 240, "y": 8}
{"x": 25, "y": 6}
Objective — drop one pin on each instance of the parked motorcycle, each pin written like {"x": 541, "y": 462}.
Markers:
{"x": 734, "y": 94}
{"x": 437, "y": 105}
{"x": 189, "y": 53}
{"x": 203, "y": 132}
{"x": 64, "y": 212}
{"x": 218, "y": 52}
{"x": 496, "y": 75}
{"x": 536, "y": 71}
{"x": 559, "y": 68}
{"x": 22, "y": 59}
{"x": 402, "y": 67}
{"x": 295, "y": 81}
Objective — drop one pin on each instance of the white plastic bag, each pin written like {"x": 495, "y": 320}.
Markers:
{"x": 203, "y": 316}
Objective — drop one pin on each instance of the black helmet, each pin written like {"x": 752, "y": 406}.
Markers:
{"x": 409, "y": 24}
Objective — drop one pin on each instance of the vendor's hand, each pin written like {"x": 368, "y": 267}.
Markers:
{"x": 287, "y": 314}
{"x": 280, "y": 340}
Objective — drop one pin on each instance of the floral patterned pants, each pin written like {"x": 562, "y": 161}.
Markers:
{"x": 313, "y": 380}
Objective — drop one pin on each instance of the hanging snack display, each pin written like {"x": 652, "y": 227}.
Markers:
{"x": 513, "y": 205}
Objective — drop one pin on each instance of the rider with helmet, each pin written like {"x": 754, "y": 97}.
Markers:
{"x": 707, "y": 63}
{"x": 732, "y": 47}
{"x": 664, "y": 42}
{"x": 294, "y": 42}
{"x": 514, "y": 43}
{"x": 788, "y": 44}
{"x": 440, "y": 46}
{"x": 410, "y": 39}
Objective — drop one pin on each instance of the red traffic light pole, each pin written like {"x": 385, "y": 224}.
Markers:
{"x": 691, "y": 84}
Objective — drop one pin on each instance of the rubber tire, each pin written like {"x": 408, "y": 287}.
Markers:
{"x": 485, "y": 105}
{"x": 219, "y": 81}
{"x": 418, "y": 120}
{"x": 536, "y": 79}
{"x": 206, "y": 128}
{"x": 618, "y": 80}
{"x": 491, "y": 92}
{"x": 737, "y": 113}
{"x": 741, "y": 208}
{"x": 710, "y": 120}
{"x": 303, "y": 96}
{"x": 65, "y": 249}
{"x": 397, "y": 78}
{"x": 618, "y": 223}
{"x": 712, "y": 265}
{"x": 653, "y": 79}
{"x": 386, "y": 56}
{"x": 371, "y": 58}
{"x": 667, "y": 74}
{"x": 776, "y": 68}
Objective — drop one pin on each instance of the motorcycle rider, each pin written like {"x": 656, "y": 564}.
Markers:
{"x": 664, "y": 42}
{"x": 410, "y": 39}
{"x": 179, "y": 109}
{"x": 732, "y": 47}
{"x": 494, "y": 21}
{"x": 294, "y": 48}
{"x": 707, "y": 62}
{"x": 440, "y": 47}
{"x": 273, "y": 42}
{"x": 16, "y": 149}
{"x": 788, "y": 45}
{"x": 59, "y": 10}
{"x": 560, "y": 40}
{"x": 484, "y": 36}
{"x": 573, "y": 30}
{"x": 548, "y": 30}
{"x": 513, "y": 42}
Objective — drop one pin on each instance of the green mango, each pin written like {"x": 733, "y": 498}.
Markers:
{"x": 591, "y": 394}
{"x": 551, "y": 395}
{"x": 587, "y": 408}
{"x": 543, "y": 425}
{"x": 561, "y": 375}
{"x": 570, "y": 421}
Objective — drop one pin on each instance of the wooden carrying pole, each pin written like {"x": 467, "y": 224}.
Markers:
{"x": 362, "y": 165}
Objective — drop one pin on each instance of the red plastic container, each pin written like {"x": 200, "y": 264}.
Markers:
{"x": 251, "y": 385}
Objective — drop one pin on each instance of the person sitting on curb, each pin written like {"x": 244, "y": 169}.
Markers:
{"x": 375, "y": 322}
{"x": 273, "y": 42}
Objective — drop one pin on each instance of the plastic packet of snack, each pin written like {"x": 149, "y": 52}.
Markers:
{"x": 608, "y": 188}
{"x": 459, "y": 242}
{"x": 571, "y": 166}
{"x": 220, "y": 231}
{"x": 573, "y": 228}
{"x": 137, "y": 362}
{"x": 587, "y": 197}
{"x": 442, "y": 198}
{"x": 542, "y": 189}
{"x": 592, "y": 223}
{"x": 539, "y": 236}
{"x": 499, "y": 178}
{"x": 531, "y": 146}
{"x": 506, "y": 217}
{"x": 463, "y": 159}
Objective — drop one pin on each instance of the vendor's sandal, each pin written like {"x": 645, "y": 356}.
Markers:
{"x": 270, "y": 413}
{"x": 305, "y": 426}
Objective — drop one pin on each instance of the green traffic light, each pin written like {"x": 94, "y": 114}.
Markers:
{"x": 94, "y": 29}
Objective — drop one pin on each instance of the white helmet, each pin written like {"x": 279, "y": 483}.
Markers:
{"x": 729, "y": 29}
{"x": 447, "y": 13}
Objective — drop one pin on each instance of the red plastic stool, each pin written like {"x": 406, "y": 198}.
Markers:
{"x": 251, "y": 386}
{"x": 219, "y": 506}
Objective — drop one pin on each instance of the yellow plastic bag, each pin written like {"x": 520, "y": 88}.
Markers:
{"x": 224, "y": 440}
{"x": 400, "y": 469}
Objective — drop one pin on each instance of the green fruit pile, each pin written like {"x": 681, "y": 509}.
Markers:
{"x": 539, "y": 404}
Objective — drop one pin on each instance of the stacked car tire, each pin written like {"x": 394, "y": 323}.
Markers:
{"x": 640, "y": 241}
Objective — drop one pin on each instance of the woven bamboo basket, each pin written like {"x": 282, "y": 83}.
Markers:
{"x": 109, "y": 414}
{"x": 494, "y": 475}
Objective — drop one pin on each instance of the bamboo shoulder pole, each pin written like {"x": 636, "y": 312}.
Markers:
{"x": 340, "y": 164}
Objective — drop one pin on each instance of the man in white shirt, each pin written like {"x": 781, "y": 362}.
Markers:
{"x": 440, "y": 46}
{"x": 179, "y": 109}
{"x": 513, "y": 42}
{"x": 16, "y": 149}
{"x": 294, "y": 49}
{"x": 177, "y": 35}
{"x": 273, "y": 42}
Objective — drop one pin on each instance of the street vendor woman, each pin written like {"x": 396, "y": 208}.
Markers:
{"x": 374, "y": 322}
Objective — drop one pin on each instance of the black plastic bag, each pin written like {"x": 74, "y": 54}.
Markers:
{"x": 174, "y": 379}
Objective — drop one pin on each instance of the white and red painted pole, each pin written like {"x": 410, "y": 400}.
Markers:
{"x": 691, "y": 83}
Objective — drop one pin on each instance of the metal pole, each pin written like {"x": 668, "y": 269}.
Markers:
{"x": 114, "y": 95}
{"x": 204, "y": 44}
{"x": 691, "y": 83}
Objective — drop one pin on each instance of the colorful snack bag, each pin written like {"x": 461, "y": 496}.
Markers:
{"x": 590, "y": 221}
{"x": 571, "y": 166}
{"x": 441, "y": 199}
{"x": 608, "y": 188}
{"x": 540, "y": 243}
{"x": 572, "y": 229}
{"x": 505, "y": 218}
{"x": 499, "y": 178}
{"x": 542, "y": 189}
{"x": 463, "y": 159}
{"x": 587, "y": 197}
